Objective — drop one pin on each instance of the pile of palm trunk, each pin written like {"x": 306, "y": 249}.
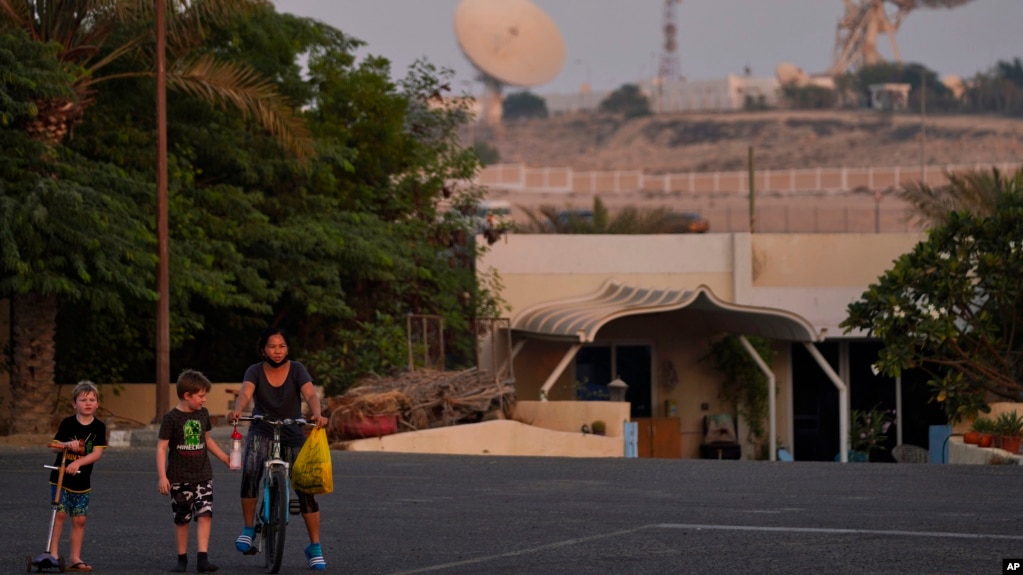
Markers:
{"x": 423, "y": 399}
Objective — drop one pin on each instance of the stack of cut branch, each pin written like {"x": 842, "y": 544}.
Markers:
{"x": 423, "y": 399}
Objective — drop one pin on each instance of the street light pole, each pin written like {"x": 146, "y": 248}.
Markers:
{"x": 162, "y": 232}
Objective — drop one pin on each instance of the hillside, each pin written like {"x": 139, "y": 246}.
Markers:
{"x": 781, "y": 139}
{"x": 682, "y": 143}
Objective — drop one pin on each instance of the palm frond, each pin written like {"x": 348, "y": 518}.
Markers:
{"x": 242, "y": 87}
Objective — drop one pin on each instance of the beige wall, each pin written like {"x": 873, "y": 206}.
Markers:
{"x": 815, "y": 276}
{"x": 825, "y": 260}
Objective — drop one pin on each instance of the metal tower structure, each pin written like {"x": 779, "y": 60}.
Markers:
{"x": 668, "y": 71}
{"x": 865, "y": 20}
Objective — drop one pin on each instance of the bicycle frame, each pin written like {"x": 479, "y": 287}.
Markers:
{"x": 274, "y": 461}
{"x": 273, "y": 533}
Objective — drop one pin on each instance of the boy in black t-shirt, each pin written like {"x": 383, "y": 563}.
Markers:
{"x": 183, "y": 467}
{"x": 80, "y": 438}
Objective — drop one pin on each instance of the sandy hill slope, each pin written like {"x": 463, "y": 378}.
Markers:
{"x": 781, "y": 140}
{"x": 708, "y": 142}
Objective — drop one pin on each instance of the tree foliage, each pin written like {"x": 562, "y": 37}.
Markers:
{"x": 521, "y": 105}
{"x": 628, "y": 100}
{"x": 954, "y": 308}
{"x": 975, "y": 191}
{"x": 337, "y": 247}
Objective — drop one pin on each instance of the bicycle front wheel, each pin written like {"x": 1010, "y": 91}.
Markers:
{"x": 277, "y": 519}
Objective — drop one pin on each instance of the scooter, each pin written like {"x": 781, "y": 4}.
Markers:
{"x": 45, "y": 561}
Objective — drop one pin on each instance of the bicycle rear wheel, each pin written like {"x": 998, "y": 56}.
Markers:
{"x": 277, "y": 513}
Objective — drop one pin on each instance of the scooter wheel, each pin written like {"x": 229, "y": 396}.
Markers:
{"x": 60, "y": 564}
{"x": 28, "y": 560}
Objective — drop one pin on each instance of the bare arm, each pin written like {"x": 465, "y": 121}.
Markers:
{"x": 77, "y": 464}
{"x": 215, "y": 449}
{"x": 313, "y": 401}
{"x": 163, "y": 484}
{"x": 243, "y": 399}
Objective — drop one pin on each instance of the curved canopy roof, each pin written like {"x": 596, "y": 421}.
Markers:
{"x": 579, "y": 319}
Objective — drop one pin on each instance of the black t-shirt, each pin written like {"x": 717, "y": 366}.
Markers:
{"x": 188, "y": 459}
{"x": 281, "y": 402}
{"x": 95, "y": 437}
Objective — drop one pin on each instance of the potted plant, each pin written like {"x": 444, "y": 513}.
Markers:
{"x": 867, "y": 431}
{"x": 983, "y": 429}
{"x": 598, "y": 427}
{"x": 1009, "y": 426}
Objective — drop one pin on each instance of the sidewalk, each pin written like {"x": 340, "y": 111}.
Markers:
{"x": 147, "y": 436}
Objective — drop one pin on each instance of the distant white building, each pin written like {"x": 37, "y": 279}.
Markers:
{"x": 729, "y": 93}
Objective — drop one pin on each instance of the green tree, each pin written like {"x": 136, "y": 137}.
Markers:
{"x": 549, "y": 219}
{"x": 628, "y": 100}
{"x": 93, "y": 38}
{"x": 975, "y": 191}
{"x": 953, "y": 307}
{"x": 521, "y": 105}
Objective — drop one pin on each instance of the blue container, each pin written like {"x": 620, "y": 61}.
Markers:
{"x": 937, "y": 443}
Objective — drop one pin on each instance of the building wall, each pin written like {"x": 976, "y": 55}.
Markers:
{"x": 813, "y": 275}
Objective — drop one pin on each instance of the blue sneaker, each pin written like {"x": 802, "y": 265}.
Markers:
{"x": 314, "y": 555}
{"x": 244, "y": 541}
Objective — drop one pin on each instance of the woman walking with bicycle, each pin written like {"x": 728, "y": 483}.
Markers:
{"x": 277, "y": 386}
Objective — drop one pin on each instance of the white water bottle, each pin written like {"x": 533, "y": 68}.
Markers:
{"x": 236, "y": 450}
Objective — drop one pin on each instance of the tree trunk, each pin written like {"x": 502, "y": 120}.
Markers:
{"x": 34, "y": 330}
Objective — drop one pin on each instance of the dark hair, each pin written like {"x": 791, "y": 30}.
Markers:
{"x": 265, "y": 337}
{"x": 192, "y": 381}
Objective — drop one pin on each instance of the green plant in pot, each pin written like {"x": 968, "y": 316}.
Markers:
{"x": 1009, "y": 426}
{"x": 983, "y": 430}
{"x": 598, "y": 427}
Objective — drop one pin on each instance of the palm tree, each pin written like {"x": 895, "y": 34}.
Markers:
{"x": 82, "y": 28}
{"x": 976, "y": 191}
{"x": 93, "y": 34}
{"x": 548, "y": 219}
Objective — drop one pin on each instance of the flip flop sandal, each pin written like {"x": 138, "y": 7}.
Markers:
{"x": 80, "y": 566}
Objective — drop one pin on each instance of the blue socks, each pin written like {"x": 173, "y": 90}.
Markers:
{"x": 314, "y": 554}
{"x": 244, "y": 541}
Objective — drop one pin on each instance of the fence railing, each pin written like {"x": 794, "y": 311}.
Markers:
{"x": 519, "y": 177}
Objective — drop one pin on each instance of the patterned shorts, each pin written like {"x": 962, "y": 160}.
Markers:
{"x": 71, "y": 503}
{"x": 190, "y": 501}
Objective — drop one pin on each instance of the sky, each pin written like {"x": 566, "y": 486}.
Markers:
{"x": 612, "y": 42}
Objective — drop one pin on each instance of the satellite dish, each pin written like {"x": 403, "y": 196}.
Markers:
{"x": 790, "y": 74}
{"x": 510, "y": 42}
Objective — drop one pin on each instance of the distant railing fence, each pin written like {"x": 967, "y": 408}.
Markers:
{"x": 519, "y": 177}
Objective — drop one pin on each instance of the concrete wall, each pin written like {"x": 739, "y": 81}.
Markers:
{"x": 570, "y": 416}
{"x": 502, "y": 437}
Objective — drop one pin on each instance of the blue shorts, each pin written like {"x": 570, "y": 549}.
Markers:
{"x": 71, "y": 503}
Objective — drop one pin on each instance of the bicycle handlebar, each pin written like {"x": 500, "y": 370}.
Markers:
{"x": 274, "y": 422}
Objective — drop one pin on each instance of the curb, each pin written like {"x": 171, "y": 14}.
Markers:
{"x": 148, "y": 436}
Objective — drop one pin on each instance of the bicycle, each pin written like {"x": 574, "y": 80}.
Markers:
{"x": 275, "y": 502}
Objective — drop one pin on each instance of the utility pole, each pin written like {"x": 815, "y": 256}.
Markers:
{"x": 923, "y": 126}
{"x": 162, "y": 232}
{"x": 752, "y": 194}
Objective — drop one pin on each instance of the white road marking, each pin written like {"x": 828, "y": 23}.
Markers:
{"x": 702, "y": 527}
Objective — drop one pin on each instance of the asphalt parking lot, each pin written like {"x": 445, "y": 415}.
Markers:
{"x": 403, "y": 514}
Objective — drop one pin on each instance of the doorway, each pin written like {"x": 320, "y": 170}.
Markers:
{"x": 597, "y": 365}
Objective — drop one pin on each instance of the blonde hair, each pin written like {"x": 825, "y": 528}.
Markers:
{"x": 84, "y": 386}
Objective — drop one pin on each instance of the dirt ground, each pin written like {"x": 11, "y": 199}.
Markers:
{"x": 680, "y": 143}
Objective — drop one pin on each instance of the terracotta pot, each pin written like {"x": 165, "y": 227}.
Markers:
{"x": 1011, "y": 443}
{"x": 971, "y": 437}
{"x": 985, "y": 440}
{"x": 373, "y": 426}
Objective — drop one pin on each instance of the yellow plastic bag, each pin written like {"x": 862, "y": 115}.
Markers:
{"x": 313, "y": 472}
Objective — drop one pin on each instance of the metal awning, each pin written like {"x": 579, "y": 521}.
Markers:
{"x": 579, "y": 319}
{"x": 576, "y": 322}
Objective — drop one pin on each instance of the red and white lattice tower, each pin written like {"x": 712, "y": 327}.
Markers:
{"x": 669, "y": 68}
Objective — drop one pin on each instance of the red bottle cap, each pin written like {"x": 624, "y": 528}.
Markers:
{"x": 236, "y": 435}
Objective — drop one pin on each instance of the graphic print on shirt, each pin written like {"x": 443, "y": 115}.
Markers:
{"x": 193, "y": 435}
